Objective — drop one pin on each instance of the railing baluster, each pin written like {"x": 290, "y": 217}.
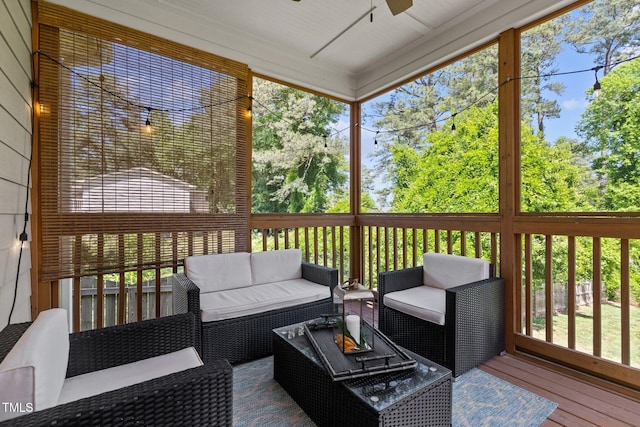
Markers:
{"x": 425, "y": 241}
{"x": 158, "y": 273}
{"x": 121, "y": 281}
{"x": 140, "y": 250}
{"x": 404, "y": 247}
{"x": 528, "y": 282}
{"x": 463, "y": 243}
{"x": 436, "y": 241}
{"x": 324, "y": 243}
{"x": 395, "y": 248}
{"x": 377, "y": 249}
{"x": 174, "y": 251}
{"x": 342, "y": 254}
{"x": 494, "y": 250}
{"x": 315, "y": 245}
{"x": 548, "y": 287}
{"x": 625, "y": 301}
{"x": 571, "y": 291}
{"x": 100, "y": 284}
{"x": 414, "y": 246}
{"x": 597, "y": 296}
{"x": 189, "y": 243}
{"x": 517, "y": 285}
{"x": 306, "y": 244}
{"x": 265, "y": 236}
{"x": 368, "y": 262}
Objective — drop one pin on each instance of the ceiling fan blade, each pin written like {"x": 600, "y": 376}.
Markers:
{"x": 399, "y": 6}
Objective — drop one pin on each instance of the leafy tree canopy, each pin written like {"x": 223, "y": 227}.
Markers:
{"x": 610, "y": 127}
{"x": 298, "y": 164}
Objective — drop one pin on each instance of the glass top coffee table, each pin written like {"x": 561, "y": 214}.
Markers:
{"x": 419, "y": 396}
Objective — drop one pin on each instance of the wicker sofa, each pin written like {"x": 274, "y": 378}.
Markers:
{"x": 241, "y": 297}
{"x": 450, "y": 310}
{"x": 176, "y": 387}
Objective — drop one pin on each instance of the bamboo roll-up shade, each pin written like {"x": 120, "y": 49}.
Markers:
{"x": 108, "y": 187}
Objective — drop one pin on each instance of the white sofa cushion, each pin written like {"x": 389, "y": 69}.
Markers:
{"x": 424, "y": 302}
{"x": 260, "y": 298}
{"x": 97, "y": 382}
{"x": 217, "y": 272}
{"x": 35, "y": 368}
{"x": 276, "y": 266}
{"x": 446, "y": 271}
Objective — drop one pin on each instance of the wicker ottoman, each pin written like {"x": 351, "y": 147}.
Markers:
{"x": 415, "y": 397}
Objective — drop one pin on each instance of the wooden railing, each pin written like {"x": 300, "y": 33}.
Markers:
{"x": 563, "y": 253}
{"x": 113, "y": 300}
{"x": 323, "y": 239}
{"x": 392, "y": 242}
{"x": 553, "y": 256}
{"x": 388, "y": 242}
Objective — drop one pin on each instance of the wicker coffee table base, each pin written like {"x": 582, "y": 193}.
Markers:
{"x": 332, "y": 403}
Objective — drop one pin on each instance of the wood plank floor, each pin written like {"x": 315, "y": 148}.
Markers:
{"x": 580, "y": 403}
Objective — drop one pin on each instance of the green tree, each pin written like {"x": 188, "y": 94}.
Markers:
{"x": 609, "y": 30}
{"x": 610, "y": 128}
{"x": 540, "y": 48}
{"x": 455, "y": 173}
{"x": 298, "y": 164}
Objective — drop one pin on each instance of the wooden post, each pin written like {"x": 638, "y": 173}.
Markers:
{"x": 355, "y": 234}
{"x": 509, "y": 166}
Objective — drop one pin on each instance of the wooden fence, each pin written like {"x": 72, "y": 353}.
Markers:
{"x": 584, "y": 296}
{"x": 111, "y": 293}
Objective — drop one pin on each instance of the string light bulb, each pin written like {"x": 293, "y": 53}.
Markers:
{"x": 453, "y": 124}
{"x": 147, "y": 124}
{"x": 596, "y": 85}
{"x": 249, "y": 113}
{"x": 375, "y": 140}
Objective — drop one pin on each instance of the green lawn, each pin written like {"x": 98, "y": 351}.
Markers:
{"x": 611, "y": 331}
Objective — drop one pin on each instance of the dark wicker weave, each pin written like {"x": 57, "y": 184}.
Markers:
{"x": 333, "y": 403}
{"x": 474, "y": 321}
{"x": 249, "y": 337}
{"x": 200, "y": 396}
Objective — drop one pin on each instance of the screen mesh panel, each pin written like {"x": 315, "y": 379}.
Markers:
{"x": 116, "y": 195}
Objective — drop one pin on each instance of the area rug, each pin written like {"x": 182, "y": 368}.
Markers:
{"x": 479, "y": 399}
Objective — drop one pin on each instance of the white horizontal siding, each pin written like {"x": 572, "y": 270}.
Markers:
{"x": 15, "y": 150}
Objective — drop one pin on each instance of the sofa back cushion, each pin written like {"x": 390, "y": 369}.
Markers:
{"x": 446, "y": 271}
{"x": 33, "y": 372}
{"x": 276, "y": 266}
{"x": 218, "y": 272}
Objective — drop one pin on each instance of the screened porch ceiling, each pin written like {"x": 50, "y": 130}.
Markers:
{"x": 326, "y": 45}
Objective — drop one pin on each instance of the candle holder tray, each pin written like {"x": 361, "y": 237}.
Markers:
{"x": 385, "y": 356}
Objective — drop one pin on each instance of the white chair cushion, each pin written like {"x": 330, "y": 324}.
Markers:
{"x": 16, "y": 392}
{"x": 33, "y": 372}
{"x": 424, "y": 302}
{"x": 276, "y": 266}
{"x": 217, "y": 272}
{"x": 260, "y": 298}
{"x": 446, "y": 271}
{"x": 94, "y": 383}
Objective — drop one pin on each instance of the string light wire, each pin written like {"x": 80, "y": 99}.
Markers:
{"x": 251, "y": 99}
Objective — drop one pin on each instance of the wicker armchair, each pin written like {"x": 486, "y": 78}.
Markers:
{"x": 473, "y": 327}
{"x": 200, "y": 396}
